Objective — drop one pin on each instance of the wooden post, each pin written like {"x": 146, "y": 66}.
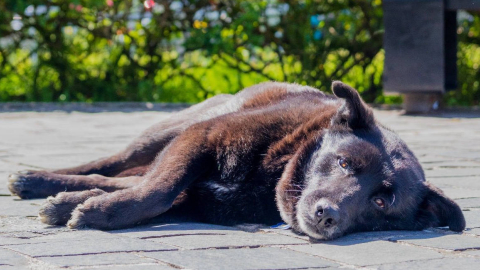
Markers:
{"x": 414, "y": 51}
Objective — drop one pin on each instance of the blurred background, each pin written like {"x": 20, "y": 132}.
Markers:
{"x": 187, "y": 51}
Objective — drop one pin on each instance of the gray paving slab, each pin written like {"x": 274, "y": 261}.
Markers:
{"x": 13, "y": 206}
{"x": 87, "y": 246}
{"x": 440, "y": 241}
{"x": 199, "y": 235}
{"x": 20, "y": 223}
{"x": 469, "y": 203}
{"x": 461, "y": 193}
{"x": 430, "y": 162}
{"x": 12, "y": 259}
{"x": 134, "y": 267}
{"x": 172, "y": 229}
{"x": 475, "y": 231}
{"x": 55, "y": 139}
{"x": 227, "y": 239}
{"x": 59, "y": 234}
{"x": 475, "y": 252}
{"x": 285, "y": 232}
{"x": 364, "y": 253}
{"x": 445, "y": 263}
{"x": 472, "y": 217}
{"x": 452, "y": 172}
{"x": 112, "y": 259}
{"x": 456, "y": 182}
{"x": 226, "y": 259}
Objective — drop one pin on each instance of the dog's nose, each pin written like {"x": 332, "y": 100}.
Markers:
{"x": 326, "y": 214}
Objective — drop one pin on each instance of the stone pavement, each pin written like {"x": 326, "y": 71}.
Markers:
{"x": 448, "y": 146}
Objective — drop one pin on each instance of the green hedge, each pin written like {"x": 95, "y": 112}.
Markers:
{"x": 186, "y": 51}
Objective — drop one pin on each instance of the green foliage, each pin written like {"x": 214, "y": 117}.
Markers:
{"x": 189, "y": 50}
{"x": 468, "y": 91}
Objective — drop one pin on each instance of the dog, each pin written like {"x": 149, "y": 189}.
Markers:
{"x": 272, "y": 152}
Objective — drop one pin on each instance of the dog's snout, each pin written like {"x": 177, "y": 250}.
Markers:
{"x": 326, "y": 214}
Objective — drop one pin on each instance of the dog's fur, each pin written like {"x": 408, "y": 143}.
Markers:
{"x": 273, "y": 151}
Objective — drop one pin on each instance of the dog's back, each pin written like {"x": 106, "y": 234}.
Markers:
{"x": 252, "y": 146}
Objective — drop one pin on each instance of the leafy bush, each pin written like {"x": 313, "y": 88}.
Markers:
{"x": 189, "y": 50}
{"x": 468, "y": 91}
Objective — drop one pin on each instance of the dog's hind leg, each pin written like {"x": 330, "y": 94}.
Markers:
{"x": 57, "y": 210}
{"x": 185, "y": 160}
{"x": 143, "y": 150}
{"x": 134, "y": 160}
{"x": 43, "y": 184}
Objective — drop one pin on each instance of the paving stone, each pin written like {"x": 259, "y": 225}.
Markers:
{"x": 135, "y": 267}
{"x": 442, "y": 163}
{"x": 172, "y": 229}
{"x": 461, "y": 193}
{"x": 428, "y": 159}
{"x": 96, "y": 259}
{"x": 475, "y": 231}
{"x": 19, "y": 223}
{"x": 52, "y": 140}
{"x": 452, "y": 172}
{"x": 12, "y": 259}
{"x": 286, "y": 232}
{"x": 225, "y": 259}
{"x": 53, "y": 236}
{"x": 446, "y": 263}
{"x": 11, "y": 240}
{"x": 472, "y": 218}
{"x": 364, "y": 253}
{"x": 436, "y": 240}
{"x": 88, "y": 246}
{"x": 359, "y": 236}
{"x": 13, "y": 206}
{"x": 385, "y": 235}
{"x": 456, "y": 182}
{"x": 475, "y": 253}
{"x": 468, "y": 203}
{"x": 461, "y": 154}
{"x": 227, "y": 239}
{"x": 200, "y": 235}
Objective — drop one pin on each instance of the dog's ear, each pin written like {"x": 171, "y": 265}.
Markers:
{"x": 437, "y": 210}
{"x": 354, "y": 113}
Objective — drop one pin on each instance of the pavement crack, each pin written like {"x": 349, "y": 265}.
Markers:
{"x": 231, "y": 247}
{"x": 106, "y": 252}
{"x": 158, "y": 260}
{"x": 437, "y": 249}
{"x": 179, "y": 234}
{"x": 454, "y": 176}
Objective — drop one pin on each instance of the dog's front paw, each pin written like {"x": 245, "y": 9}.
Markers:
{"x": 22, "y": 184}
{"x": 58, "y": 210}
{"x": 91, "y": 214}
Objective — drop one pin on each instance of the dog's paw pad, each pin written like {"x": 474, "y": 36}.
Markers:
{"x": 55, "y": 212}
{"x": 27, "y": 184}
{"x": 47, "y": 213}
{"x": 77, "y": 221}
{"x": 16, "y": 184}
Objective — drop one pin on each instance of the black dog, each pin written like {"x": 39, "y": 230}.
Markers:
{"x": 273, "y": 151}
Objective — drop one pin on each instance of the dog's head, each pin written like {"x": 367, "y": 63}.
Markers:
{"x": 359, "y": 176}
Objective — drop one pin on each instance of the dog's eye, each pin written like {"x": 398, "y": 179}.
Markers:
{"x": 379, "y": 202}
{"x": 343, "y": 163}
